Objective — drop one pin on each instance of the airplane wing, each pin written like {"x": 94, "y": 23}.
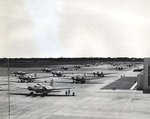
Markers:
{"x": 116, "y": 68}
{"x": 87, "y": 78}
{"x": 59, "y": 88}
{"x": 39, "y": 77}
{"x": 92, "y": 78}
{"x": 21, "y": 87}
{"x": 92, "y": 74}
{"x": 42, "y": 77}
{"x": 68, "y": 73}
{"x": 108, "y": 73}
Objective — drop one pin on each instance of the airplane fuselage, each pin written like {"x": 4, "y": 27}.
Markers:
{"x": 78, "y": 79}
{"x": 20, "y": 73}
{"x": 26, "y": 79}
{"x": 38, "y": 88}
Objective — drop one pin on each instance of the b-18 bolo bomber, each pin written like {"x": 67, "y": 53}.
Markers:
{"x": 43, "y": 89}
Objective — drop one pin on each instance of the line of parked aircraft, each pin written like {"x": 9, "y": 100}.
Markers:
{"x": 24, "y": 77}
{"x": 44, "y": 90}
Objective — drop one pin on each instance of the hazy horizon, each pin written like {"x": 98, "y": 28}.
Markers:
{"x": 73, "y": 57}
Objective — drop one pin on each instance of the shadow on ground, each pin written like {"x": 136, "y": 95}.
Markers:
{"x": 124, "y": 83}
{"x": 35, "y": 95}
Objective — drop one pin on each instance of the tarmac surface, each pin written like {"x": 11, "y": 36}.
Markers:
{"x": 90, "y": 100}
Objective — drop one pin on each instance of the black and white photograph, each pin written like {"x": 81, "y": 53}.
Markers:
{"x": 74, "y": 59}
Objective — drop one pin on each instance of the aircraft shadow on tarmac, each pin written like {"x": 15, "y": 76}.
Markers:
{"x": 40, "y": 95}
{"x": 37, "y": 81}
{"x": 88, "y": 82}
{"x": 124, "y": 83}
{"x": 3, "y": 84}
{"x": 3, "y": 89}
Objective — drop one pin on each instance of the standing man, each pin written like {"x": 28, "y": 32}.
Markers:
{"x": 68, "y": 92}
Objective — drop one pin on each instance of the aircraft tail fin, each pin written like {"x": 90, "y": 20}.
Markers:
{"x": 52, "y": 83}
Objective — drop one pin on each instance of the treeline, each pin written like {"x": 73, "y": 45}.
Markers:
{"x": 36, "y": 62}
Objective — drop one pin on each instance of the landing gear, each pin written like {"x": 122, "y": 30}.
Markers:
{"x": 83, "y": 80}
{"x": 31, "y": 93}
{"x": 44, "y": 94}
{"x": 22, "y": 81}
{"x": 114, "y": 88}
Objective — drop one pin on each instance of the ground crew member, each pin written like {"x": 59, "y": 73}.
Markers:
{"x": 73, "y": 94}
{"x": 68, "y": 92}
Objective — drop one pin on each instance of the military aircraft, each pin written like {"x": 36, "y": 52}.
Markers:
{"x": 71, "y": 68}
{"x": 64, "y": 68}
{"x": 29, "y": 78}
{"x": 57, "y": 73}
{"x": 43, "y": 89}
{"x": 60, "y": 73}
{"x": 46, "y": 70}
{"x": 26, "y": 78}
{"x": 118, "y": 68}
{"x": 87, "y": 65}
{"x": 92, "y": 64}
{"x": 98, "y": 74}
{"x": 78, "y": 79}
{"x": 77, "y": 67}
{"x": 21, "y": 73}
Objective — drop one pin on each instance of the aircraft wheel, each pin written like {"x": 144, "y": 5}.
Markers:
{"x": 44, "y": 94}
{"x": 31, "y": 93}
{"x": 114, "y": 88}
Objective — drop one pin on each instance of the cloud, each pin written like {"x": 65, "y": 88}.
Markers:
{"x": 74, "y": 28}
{"x": 105, "y": 28}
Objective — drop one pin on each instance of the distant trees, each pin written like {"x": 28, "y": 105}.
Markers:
{"x": 53, "y": 61}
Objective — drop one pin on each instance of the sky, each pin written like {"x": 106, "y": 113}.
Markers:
{"x": 74, "y": 28}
